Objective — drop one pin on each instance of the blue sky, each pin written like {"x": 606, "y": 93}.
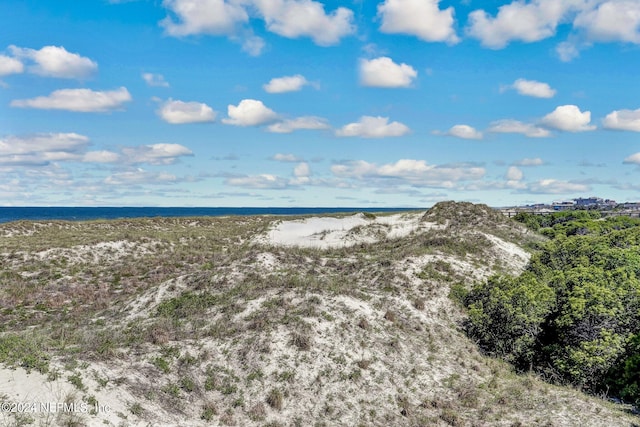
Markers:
{"x": 303, "y": 103}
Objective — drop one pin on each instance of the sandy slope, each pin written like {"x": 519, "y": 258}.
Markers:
{"x": 360, "y": 336}
{"x": 329, "y": 232}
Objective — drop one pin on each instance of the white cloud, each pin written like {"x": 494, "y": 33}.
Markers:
{"x": 519, "y": 20}
{"x": 286, "y": 158}
{"x": 609, "y": 21}
{"x": 514, "y": 174}
{"x": 533, "y": 88}
{"x": 623, "y": 120}
{"x": 140, "y": 176}
{"x": 530, "y": 161}
{"x": 414, "y": 172}
{"x": 155, "y": 154}
{"x": 42, "y": 148}
{"x": 514, "y": 178}
{"x": 568, "y": 118}
{"x": 102, "y": 156}
{"x": 355, "y": 169}
{"x": 10, "y": 65}
{"x": 288, "y": 18}
{"x": 285, "y": 84}
{"x": 373, "y": 127}
{"x": 305, "y": 122}
{"x": 515, "y": 126}
{"x": 383, "y": 72}
{"x": 306, "y": 18}
{"x": 249, "y": 112}
{"x": 253, "y": 45}
{"x": 80, "y": 100}
{"x": 156, "y": 80}
{"x": 54, "y": 61}
{"x": 633, "y": 159}
{"x": 529, "y": 21}
{"x": 567, "y": 51}
{"x": 43, "y": 143}
{"x": 217, "y": 17}
{"x": 464, "y": 132}
{"x": 554, "y": 186}
{"x": 302, "y": 170}
{"x": 262, "y": 181}
{"x": 179, "y": 112}
{"x": 421, "y": 18}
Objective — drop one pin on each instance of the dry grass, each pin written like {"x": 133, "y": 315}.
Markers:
{"x": 208, "y": 328}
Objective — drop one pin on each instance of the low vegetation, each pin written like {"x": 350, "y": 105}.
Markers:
{"x": 191, "y": 321}
{"x": 573, "y": 316}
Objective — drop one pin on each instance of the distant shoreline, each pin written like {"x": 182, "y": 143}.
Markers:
{"x": 34, "y": 213}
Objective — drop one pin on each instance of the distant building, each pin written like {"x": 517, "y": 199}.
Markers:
{"x": 563, "y": 206}
{"x": 589, "y": 202}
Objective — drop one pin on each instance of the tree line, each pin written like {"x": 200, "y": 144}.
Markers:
{"x": 573, "y": 316}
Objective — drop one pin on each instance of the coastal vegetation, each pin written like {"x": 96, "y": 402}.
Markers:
{"x": 200, "y": 321}
{"x": 573, "y": 316}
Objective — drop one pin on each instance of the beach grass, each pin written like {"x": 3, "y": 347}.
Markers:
{"x": 206, "y": 323}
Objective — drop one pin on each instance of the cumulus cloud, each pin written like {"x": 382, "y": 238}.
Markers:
{"x": 56, "y": 61}
{"x": 383, "y": 72}
{"x": 285, "y": 84}
{"x": 249, "y": 112}
{"x": 302, "y": 170}
{"x": 421, "y": 18}
{"x": 568, "y": 118}
{"x": 513, "y": 179}
{"x": 156, "y": 154}
{"x": 515, "y": 126}
{"x": 623, "y": 120}
{"x": 609, "y": 21}
{"x": 567, "y": 51}
{"x": 285, "y": 158}
{"x": 179, "y": 112}
{"x": 373, "y": 127}
{"x": 514, "y": 174}
{"x": 155, "y": 80}
{"x": 306, "y": 18}
{"x": 530, "y": 161}
{"x": 554, "y": 186}
{"x": 529, "y": 21}
{"x": 139, "y": 177}
{"x": 102, "y": 156}
{"x": 299, "y": 123}
{"x": 217, "y": 17}
{"x": 43, "y": 143}
{"x": 42, "y": 148}
{"x": 519, "y": 20}
{"x": 464, "y": 132}
{"x": 9, "y": 65}
{"x": 288, "y": 18}
{"x": 410, "y": 171}
{"x": 633, "y": 159}
{"x": 533, "y": 88}
{"x": 253, "y": 45}
{"x": 79, "y": 100}
{"x": 262, "y": 181}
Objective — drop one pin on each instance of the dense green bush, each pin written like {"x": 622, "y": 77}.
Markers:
{"x": 574, "y": 315}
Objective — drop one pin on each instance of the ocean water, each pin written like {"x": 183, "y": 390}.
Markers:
{"x": 8, "y": 214}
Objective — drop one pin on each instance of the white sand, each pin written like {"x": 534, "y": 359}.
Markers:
{"x": 331, "y": 232}
{"x": 515, "y": 257}
{"x": 42, "y": 400}
{"x": 99, "y": 252}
